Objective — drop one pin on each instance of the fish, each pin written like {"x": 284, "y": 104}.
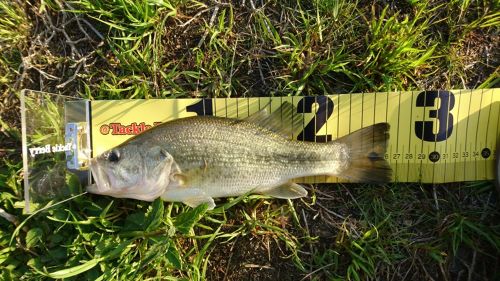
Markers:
{"x": 196, "y": 159}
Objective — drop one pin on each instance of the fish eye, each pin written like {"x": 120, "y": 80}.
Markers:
{"x": 113, "y": 156}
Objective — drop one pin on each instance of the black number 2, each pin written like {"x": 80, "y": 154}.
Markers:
{"x": 424, "y": 129}
{"x": 322, "y": 114}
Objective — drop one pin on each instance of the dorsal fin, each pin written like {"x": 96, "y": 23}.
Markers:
{"x": 259, "y": 116}
{"x": 284, "y": 121}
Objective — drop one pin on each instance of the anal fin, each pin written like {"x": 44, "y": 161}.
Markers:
{"x": 288, "y": 190}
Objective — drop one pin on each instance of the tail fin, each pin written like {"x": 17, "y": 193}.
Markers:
{"x": 367, "y": 148}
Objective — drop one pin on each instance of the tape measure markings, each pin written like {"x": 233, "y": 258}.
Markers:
{"x": 472, "y": 149}
{"x": 399, "y": 131}
{"x": 487, "y": 150}
{"x": 445, "y": 155}
{"x": 421, "y": 170}
{"x": 466, "y": 143}
{"x": 478, "y": 143}
{"x": 446, "y": 130}
{"x": 484, "y": 150}
{"x": 408, "y": 110}
{"x": 483, "y": 147}
{"x": 409, "y": 143}
{"x": 474, "y": 153}
{"x": 480, "y": 130}
{"x": 466, "y": 135}
{"x": 421, "y": 144}
{"x": 456, "y": 155}
{"x": 434, "y": 155}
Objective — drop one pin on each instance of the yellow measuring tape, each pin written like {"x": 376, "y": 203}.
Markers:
{"x": 435, "y": 136}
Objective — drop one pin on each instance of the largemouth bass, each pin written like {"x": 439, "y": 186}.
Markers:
{"x": 195, "y": 159}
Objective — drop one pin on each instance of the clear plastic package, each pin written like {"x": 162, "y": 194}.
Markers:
{"x": 56, "y": 146}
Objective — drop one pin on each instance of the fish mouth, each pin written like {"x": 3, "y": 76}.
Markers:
{"x": 105, "y": 183}
{"x": 101, "y": 185}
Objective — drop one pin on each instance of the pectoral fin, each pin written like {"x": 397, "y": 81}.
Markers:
{"x": 189, "y": 196}
{"x": 288, "y": 190}
{"x": 178, "y": 180}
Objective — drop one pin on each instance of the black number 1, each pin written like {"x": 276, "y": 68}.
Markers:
{"x": 424, "y": 129}
{"x": 324, "y": 111}
{"x": 203, "y": 107}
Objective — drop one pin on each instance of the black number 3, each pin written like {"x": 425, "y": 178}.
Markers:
{"x": 424, "y": 129}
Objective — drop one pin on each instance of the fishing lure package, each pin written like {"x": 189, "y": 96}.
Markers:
{"x": 55, "y": 145}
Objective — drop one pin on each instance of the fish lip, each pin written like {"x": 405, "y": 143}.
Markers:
{"x": 101, "y": 184}
{"x": 93, "y": 188}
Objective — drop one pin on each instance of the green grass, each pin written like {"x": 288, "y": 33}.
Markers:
{"x": 14, "y": 28}
{"x": 123, "y": 49}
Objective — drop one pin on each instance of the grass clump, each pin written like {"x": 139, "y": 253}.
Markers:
{"x": 14, "y": 30}
{"x": 134, "y": 30}
{"x": 396, "y": 48}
